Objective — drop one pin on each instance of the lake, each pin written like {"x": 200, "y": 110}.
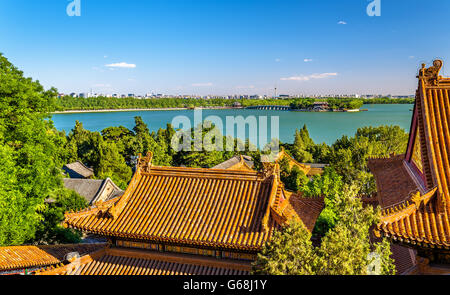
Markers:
{"x": 323, "y": 127}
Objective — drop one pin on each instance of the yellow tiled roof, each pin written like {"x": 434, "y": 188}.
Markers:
{"x": 205, "y": 207}
{"x": 423, "y": 218}
{"x": 120, "y": 261}
{"x": 20, "y": 257}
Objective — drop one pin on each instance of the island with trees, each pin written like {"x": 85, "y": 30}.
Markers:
{"x": 326, "y": 105}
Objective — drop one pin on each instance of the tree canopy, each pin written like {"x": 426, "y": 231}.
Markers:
{"x": 30, "y": 154}
{"x": 345, "y": 249}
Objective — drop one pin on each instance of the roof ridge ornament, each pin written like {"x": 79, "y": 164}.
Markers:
{"x": 145, "y": 163}
{"x": 430, "y": 75}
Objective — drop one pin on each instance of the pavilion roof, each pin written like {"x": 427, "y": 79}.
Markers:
{"x": 93, "y": 190}
{"x": 421, "y": 217}
{"x": 310, "y": 169}
{"x": 123, "y": 261}
{"x": 241, "y": 162}
{"x": 21, "y": 257}
{"x": 230, "y": 209}
{"x": 78, "y": 170}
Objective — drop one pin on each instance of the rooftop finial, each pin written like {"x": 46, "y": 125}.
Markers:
{"x": 145, "y": 163}
{"x": 431, "y": 75}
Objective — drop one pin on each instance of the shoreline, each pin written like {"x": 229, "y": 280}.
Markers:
{"x": 180, "y": 109}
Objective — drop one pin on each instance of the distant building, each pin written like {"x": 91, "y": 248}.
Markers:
{"x": 94, "y": 190}
{"x": 320, "y": 106}
{"x": 78, "y": 170}
{"x": 237, "y": 104}
{"x": 237, "y": 163}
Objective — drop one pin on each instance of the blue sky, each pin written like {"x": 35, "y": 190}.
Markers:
{"x": 225, "y": 47}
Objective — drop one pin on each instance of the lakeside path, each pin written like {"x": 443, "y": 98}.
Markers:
{"x": 139, "y": 110}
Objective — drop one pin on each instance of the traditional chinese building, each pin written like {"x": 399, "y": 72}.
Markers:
{"x": 93, "y": 190}
{"x": 309, "y": 169}
{"x": 414, "y": 188}
{"x": 244, "y": 162}
{"x": 78, "y": 170}
{"x": 173, "y": 220}
{"x": 29, "y": 259}
{"x": 241, "y": 162}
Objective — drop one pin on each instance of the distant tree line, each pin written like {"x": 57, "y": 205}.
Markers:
{"x": 68, "y": 103}
{"x": 387, "y": 100}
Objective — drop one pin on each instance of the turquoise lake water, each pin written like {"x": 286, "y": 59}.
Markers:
{"x": 323, "y": 127}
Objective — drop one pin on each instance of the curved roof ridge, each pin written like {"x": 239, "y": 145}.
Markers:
{"x": 413, "y": 202}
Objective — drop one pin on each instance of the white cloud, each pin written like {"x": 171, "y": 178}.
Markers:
{"x": 123, "y": 65}
{"x": 342, "y": 22}
{"x": 411, "y": 57}
{"x": 277, "y": 60}
{"x": 308, "y": 60}
{"x": 202, "y": 84}
{"x": 310, "y": 77}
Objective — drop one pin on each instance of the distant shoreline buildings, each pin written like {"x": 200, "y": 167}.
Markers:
{"x": 235, "y": 96}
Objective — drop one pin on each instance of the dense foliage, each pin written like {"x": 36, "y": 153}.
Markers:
{"x": 302, "y": 103}
{"x": 345, "y": 249}
{"x": 70, "y": 103}
{"x": 387, "y": 100}
{"x": 30, "y": 155}
{"x": 339, "y": 104}
{"x": 112, "y": 152}
{"x": 347, "y": 159}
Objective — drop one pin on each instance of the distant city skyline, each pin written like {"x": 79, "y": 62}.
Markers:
{"x": 230, "y": 96}
{"x": 225, "y": 47}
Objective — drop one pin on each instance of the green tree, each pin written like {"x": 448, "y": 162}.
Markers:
{"x": 294, "y": 179}
{"x": 302, "y": 143}
{"x": 145, "y": 142}
{"x": 349, "y": 156}
{"x": 307, "y": 140}
{"x": 328, "y": 185}
{"x": 289, "y": 252}
{"x": 50, "y": 230}
{"x": 30, "y": 158}
{"x": 111, "y": 164}
{"x": 345, "y": 250}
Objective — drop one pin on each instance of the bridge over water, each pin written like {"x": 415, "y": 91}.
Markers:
{"x": 270, "y": 108}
